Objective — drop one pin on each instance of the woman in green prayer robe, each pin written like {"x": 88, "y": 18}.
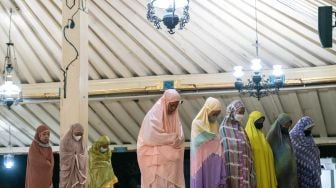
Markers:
{"x": 101, "y": 171}
{"x": 284, "y": 157}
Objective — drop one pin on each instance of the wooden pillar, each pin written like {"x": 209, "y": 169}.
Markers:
{"x": 74, "y": 89}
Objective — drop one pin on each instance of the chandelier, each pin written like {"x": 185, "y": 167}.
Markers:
{"x": 9, "y": 92}
{"x": 174, "y": 12}
{"x": 258, "y": 85}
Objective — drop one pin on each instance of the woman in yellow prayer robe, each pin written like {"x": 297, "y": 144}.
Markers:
{"x": 262, "y": 153}
{"x": 101, "y": 171}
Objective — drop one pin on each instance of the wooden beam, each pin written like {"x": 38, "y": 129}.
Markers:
{"x": 297, "y": 76}
{"x": 74, "y": 95}
{"x": 325, "y": 141}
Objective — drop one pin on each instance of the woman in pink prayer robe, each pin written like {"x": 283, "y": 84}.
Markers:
{"x": 40, "y": 161}
{"x": 73, "y": 159}
{"x": 160, "y": 146}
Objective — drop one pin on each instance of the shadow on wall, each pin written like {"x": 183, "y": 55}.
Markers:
{"x": 125, "y": 167}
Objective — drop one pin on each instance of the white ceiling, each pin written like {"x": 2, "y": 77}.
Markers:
{"x": 123, "y": 44}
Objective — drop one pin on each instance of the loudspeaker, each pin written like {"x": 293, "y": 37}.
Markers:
{"x": 325, "y": 26}
{"x": 71, "y": 24}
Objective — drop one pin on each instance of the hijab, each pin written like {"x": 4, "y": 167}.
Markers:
{"x": 202, "y": 129}
{"x": 236, "y": 150}
{"x": 206, "y": 156}
{"x": 262, "y": 153}
{"x": 73, "y": 159}
{"x": 307, "y": 154}
{"x": 101, "y": 171}
{"x": 40, "y": 162}
{"x": 285, "y": 164}
{"x": 160, "y": 145}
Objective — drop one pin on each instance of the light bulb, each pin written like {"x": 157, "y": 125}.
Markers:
{"x": 9, "y": 164}
{"x": 9, "y": 89}
{"x": 9, "y": 160}
{"x": 256, "y": 64}
{"x": 277, "y": 71}
{"x": 238, "y": 71}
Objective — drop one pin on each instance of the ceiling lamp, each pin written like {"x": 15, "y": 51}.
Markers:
{"x": 8, "y": 161}
{"x": 258, "y": 86}
{"x": 9, "y": 92}
{"x": 9, "y": 158}
{"x": 174, "y": 12}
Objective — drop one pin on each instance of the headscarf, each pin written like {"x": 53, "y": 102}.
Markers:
{"x": 206, "y": 161}
{"x": 40, "y": 162}
{"x": 73, "y": 159}
{"x": 285, "y": 165}
{"x": 262, "y": 153}
{"x": 231, "y": 110}
{"x": 307, "y": 154}
{"x": 160, "y": 143}
{"x": 237, "y": 150}
{"x": 101, "y": 171}
{"x": 201, "y": 129}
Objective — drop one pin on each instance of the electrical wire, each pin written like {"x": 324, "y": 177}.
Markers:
{"x": 7, "y": 58}
{"x": 256, "y": 27}
{"x": 10, "y": 137}
{"x": 10, "y": 24}
{"x": 81, "y": 7}
{"x": 65, "y": 71}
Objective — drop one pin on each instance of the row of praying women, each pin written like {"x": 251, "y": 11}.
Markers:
{"x": 226, "y": 155}
{"x": 73, "y": 161}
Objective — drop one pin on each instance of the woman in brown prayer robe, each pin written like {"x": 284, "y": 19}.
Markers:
{"x": 73, "y": 159}
{"x": 40, "y": 161}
